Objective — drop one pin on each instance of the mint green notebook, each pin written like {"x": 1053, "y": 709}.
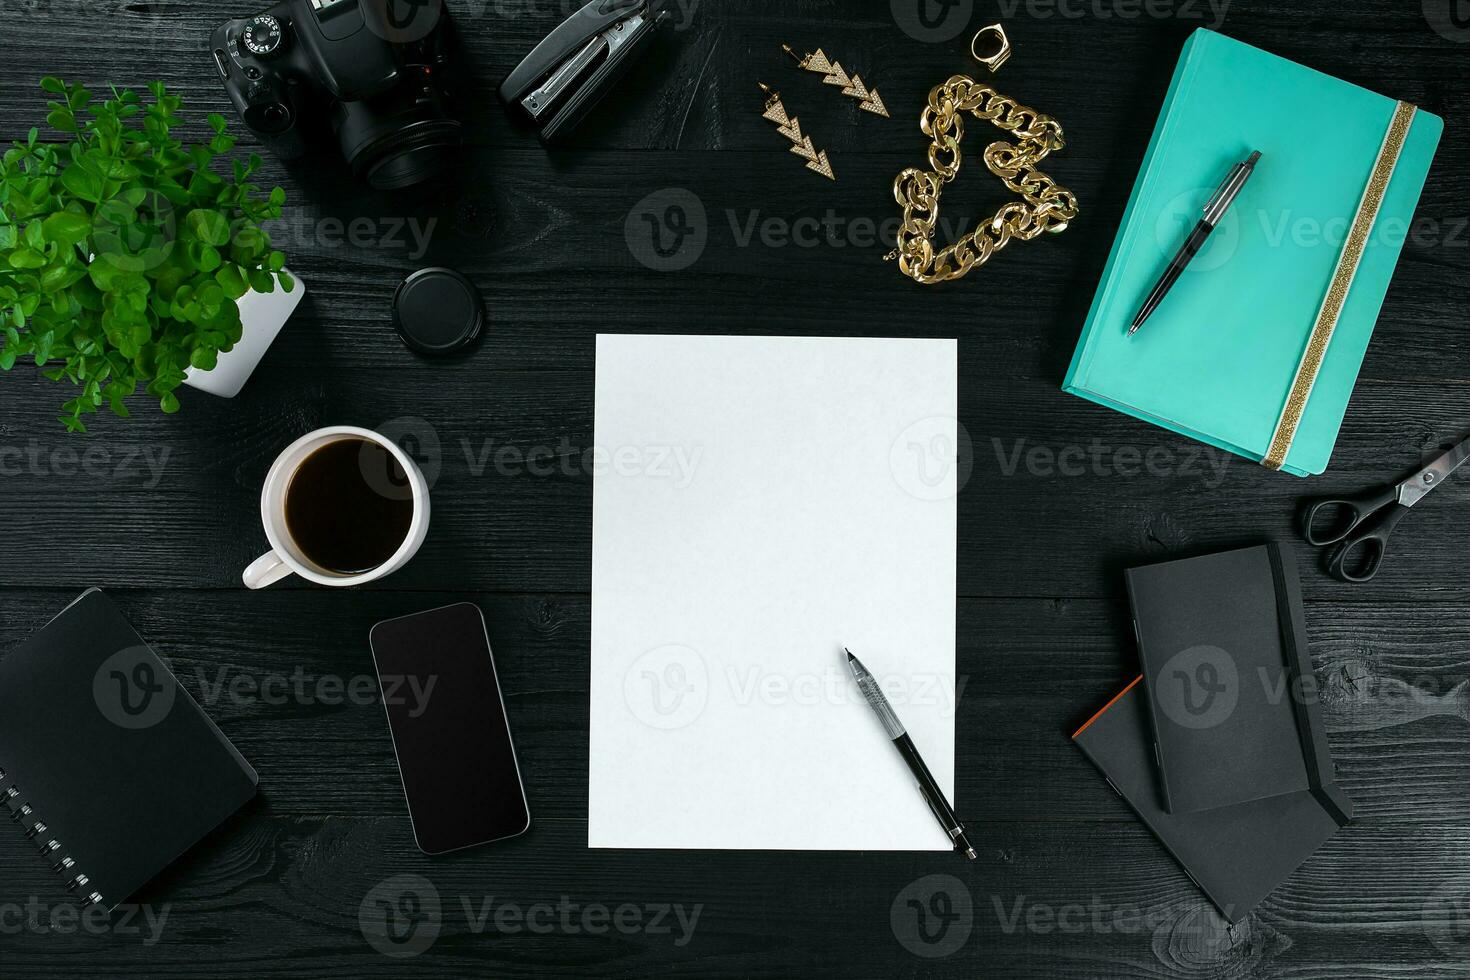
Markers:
{"x": 1230, "y": 358}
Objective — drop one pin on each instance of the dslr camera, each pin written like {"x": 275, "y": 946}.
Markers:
{"x": 376, "y": 71}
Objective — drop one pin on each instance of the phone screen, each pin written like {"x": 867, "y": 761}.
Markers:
{"x": 449, "y": 727}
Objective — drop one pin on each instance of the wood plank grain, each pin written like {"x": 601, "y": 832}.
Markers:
{"x": 272, "y": 893}
{"x": 288, "y": 676}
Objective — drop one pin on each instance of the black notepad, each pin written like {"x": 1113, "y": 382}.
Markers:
{"x": 1236, "y": 854}
{"x": 109, "y": 766}
{"x": 1232, "y": 697}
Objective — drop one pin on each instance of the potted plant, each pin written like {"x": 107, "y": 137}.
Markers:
{"x": 125, "y": 257}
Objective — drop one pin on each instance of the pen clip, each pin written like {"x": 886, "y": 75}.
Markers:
{"x": 1228, "y": 190}
{"x": 1214, "y": 208}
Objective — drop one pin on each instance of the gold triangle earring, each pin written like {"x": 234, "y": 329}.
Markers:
{"x": 790, "y": 127}
{"x": 833, "y": 73}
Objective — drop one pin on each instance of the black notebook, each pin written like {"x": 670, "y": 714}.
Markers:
{"x": 1236, "y": 854}
{"x": 1231, "y": 693}
{"x": 108, "y": 765}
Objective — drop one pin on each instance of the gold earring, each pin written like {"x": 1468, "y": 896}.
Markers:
{"x": 833, "y": 73}
{"x": 790, "y": 127}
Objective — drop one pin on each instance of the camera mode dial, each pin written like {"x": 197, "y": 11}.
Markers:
{"x": 263, "y": 36}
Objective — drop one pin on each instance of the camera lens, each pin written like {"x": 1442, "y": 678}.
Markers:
{"x": 392, "y": 146}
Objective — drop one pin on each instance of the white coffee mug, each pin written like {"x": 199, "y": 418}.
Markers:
{"x": 285, "y": 557}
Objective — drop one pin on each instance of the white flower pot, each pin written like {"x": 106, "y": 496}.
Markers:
{"x": 262, "y": 315}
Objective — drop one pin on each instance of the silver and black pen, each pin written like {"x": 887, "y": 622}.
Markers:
{"x": 1214, "y": 211}
{"x": 930, "y": 790}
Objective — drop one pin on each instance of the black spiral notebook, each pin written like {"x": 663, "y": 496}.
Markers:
{"x": 109, "y": 766}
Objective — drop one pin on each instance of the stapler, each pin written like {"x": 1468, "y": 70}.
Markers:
{"x": 576, "y": 64}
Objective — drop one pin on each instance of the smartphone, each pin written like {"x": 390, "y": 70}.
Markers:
{"x": 450, "y": 732}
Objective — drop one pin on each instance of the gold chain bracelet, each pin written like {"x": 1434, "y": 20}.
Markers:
{"x": 1045, "y": 205}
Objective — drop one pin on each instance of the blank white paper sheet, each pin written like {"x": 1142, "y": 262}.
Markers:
{"x": 758, "y": 503}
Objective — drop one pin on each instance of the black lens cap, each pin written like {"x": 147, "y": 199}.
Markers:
{"x": 438, "y": 311}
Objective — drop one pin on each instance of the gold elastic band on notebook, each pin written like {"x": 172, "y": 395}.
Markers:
{"x": 1342, "y": 280}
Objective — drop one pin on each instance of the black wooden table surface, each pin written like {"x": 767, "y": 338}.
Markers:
{"x": 162, "y": 512}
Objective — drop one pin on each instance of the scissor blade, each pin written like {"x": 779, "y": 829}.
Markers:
{"x": 1414, "y": 489}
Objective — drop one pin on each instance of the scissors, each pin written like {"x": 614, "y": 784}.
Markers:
{"x": 1348, "y": 527}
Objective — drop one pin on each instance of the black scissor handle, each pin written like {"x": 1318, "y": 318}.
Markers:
{"x": 1338, "y": 528}
{"x": 1358, "y": 558}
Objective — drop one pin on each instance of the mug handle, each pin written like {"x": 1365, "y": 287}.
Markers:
{"x": 265, "y": 570}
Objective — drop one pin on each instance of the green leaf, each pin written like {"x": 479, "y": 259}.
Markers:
{"x": 54, "y": 85}
{"x": 66, "y": 228}
{"x": 261, "y": 282}
{"x": 231, "y": 281}
{"x": 62, "y": 119}
{"x": 83, "y": 183}
{"x": 288, "y": 282}
{"x": 60, "y": 277}
{"x": 216, "y": 122}
{"x": 27, "y": 259}
{"x": 169, "y": 403}
{"x": 209, "y": 227}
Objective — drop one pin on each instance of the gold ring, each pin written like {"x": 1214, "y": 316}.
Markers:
{"x": 1003, "y": 54}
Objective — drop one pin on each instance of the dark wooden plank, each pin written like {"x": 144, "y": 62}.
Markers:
{"x": 272, "y": 895}
{"x": 1098, "y": 491}
{"x": 290, "y": 680}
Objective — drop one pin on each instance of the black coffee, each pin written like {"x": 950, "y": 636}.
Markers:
{"x": 349, "y": 506}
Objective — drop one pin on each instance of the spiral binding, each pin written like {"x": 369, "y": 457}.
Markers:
{"x": 50, "y": 848}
